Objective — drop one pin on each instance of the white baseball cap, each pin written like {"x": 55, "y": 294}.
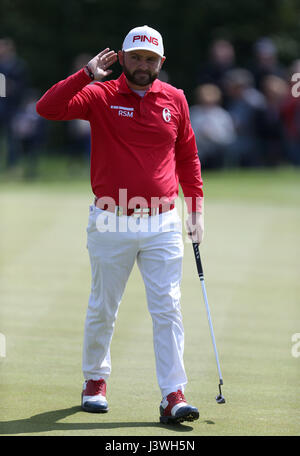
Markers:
{"x": 144, "y": 38}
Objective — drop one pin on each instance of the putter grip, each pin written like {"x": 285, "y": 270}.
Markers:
{"x": 198, "y": 259}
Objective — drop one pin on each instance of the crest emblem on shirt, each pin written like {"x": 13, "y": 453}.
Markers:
{"x": 166, "y": 114}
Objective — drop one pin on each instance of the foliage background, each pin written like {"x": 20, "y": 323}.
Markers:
{"x": 50, "y": 33}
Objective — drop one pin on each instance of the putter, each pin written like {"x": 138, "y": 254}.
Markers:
{"x": 220, "y": 398}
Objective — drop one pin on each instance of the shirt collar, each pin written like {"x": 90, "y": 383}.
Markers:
{"x": 122, "y": 85}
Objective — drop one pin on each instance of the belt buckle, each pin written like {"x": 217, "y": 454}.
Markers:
{"x": 141, "y": 212}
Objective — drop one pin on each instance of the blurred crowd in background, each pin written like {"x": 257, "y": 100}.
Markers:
{"x": 246, "y": 116}
{"x": 242, "y": 117}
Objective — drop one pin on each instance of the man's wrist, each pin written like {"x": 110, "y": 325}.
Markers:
{"x": 89, "y": 72}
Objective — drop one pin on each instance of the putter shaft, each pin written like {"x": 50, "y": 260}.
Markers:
{"x": 220, "y": 399}
{"x": 211, "y": 329}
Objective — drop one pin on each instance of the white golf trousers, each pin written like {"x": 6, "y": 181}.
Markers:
{"x": 114, "y": 244}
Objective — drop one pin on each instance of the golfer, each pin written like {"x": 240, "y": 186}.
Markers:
{"x": 142, "y": 147}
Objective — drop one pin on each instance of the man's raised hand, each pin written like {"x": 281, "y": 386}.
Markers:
{"x": 99, "y": 65}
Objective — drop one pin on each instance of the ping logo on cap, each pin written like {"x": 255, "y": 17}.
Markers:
{"x": 143, "y": 38}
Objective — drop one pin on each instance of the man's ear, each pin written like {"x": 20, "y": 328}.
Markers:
{"x": 162, "y": 62}
{"x": 121, "y": 57}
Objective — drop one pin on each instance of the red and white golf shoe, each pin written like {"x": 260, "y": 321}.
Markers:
{"x": 174, "y": 409}
{"x": 93, "y": 397}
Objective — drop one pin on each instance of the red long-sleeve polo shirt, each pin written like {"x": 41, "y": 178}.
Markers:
{"x": 142, "y": 144}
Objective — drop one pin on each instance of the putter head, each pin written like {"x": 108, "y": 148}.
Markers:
{"x": 220, "y": 399}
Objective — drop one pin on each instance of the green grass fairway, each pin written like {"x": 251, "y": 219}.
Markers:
{"x": 251, "y": 260}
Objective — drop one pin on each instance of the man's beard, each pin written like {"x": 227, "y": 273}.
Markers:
{"x": 140, "y": 78}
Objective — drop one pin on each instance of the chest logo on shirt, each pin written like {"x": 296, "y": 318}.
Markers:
{"x": 166, "y": 114}
{"x": 123, "y": 111}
